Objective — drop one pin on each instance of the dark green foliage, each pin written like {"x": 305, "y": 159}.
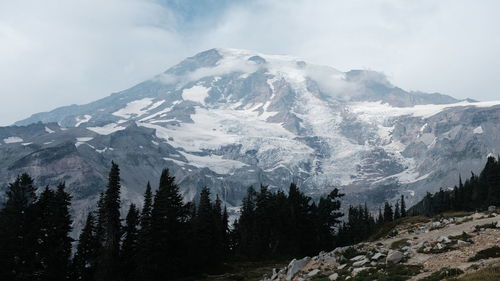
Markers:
{"x": 493, "y": 252}
{"x": 108, "y": 267}
{"x": 389, "y": 272}
{"x": 477, "y": 193}
{"x": 442, "y": 274}
{"x": 276, "y": 224}
{"x": 359, "y": 226}
{"x": 85, "y": 259}
{"x": 388, "y": 213}
{"x": 34, "y": 233}
{"x": 17, "y": 232}
{"x": 145, "y": 246}
{"x": 53, "y": 225}
{"x": 403, "y": 206}
{"x": 169, "y": 229}
{"x": 128, "y": 251}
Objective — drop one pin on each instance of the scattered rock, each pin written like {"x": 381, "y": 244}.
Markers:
{"x": 341, "y": 266}
{"x": 313, "y": 272}
{"x": 360, "y": 263}
{"x": 358, "y": 270}
{"x": 377, "y": 256}
{"x": 358, "y": 258}
{"x": 444, "y": 239}
{"x": 333, "y": 277}
{"x": 394, "y": 257}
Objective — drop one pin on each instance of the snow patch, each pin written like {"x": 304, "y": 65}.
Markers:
{"x": 213, "y": 162}
{"x": 107, "y": 129}
{"x": 82, "y": 119}
{"x": 478, "y": 130}
{"x": 134, "y": 108}
{"x": 378, "y": 111}
{"x": 84, "y": 139}
{"x": 196, "y": 93}
{"x": 48, "y": 130}
{"x": 12, "y": 140}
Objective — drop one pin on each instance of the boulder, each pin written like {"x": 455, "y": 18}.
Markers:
{"x": 394, "y": 257}
{"x": 461, "y": 243}
{"x": 492, "y": 208}
{"x": 498, "y": 224}
{"x": 342, "y": 266}
{"x": 313, "y": 272}
{"x": 444, "y": 239}
{"x": 295, "y": 266}
{"x": 358, "y": 258}
{"x": 333, "y": 277}
{"x": 436, "y": 224}
{"x": 361, "y": 262}
{"x": 377, "y": 256}
{"x": 358, "y": 270}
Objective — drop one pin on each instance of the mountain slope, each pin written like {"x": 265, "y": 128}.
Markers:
{"x": 229, "y": 118}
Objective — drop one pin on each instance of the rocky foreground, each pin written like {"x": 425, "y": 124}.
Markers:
{"x": 417, "y": 249}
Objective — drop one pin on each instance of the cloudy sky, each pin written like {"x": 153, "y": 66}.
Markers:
{"x": 61, "y": 52}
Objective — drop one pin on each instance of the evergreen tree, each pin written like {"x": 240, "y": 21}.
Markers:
{"x": 128, "y": 253}
{"x": 85, "y": 259}
{"x": 145, "y": 246}
{"x": 169, "y": 230}
{"x": 403, "y": 206}
{"x": 17, "y": 232}
{"x": 397, "y": 212}
{"x": 53, "y": 242}
{"x": 328, "y": 218}
{"x": 388, "y": 213}
{"x": 109, "y": 267}
{"x": 206, "y": 232}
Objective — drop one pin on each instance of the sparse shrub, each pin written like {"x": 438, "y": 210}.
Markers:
{"x": 352, "y": 252}
{"x": 484, "y": 226}
{"x": 486, "y": 274}
{"x": 442, "y": 274}
{"x": 493, "y": 252}
{"x": 391, "y": 272}
{"x": 399, "y": 244}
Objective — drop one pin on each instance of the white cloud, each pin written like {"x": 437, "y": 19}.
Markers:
{"x": 59, "y": 52}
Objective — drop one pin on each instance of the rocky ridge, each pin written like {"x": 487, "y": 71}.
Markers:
{"x": 412, "y": 251}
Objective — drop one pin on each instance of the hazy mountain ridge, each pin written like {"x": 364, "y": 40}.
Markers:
{"x": 228, "y": 119}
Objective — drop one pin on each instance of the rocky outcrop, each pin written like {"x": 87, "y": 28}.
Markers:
{"x": 430, "y": 249}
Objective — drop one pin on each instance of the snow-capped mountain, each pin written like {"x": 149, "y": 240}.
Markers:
{"x": 229, "y": 119}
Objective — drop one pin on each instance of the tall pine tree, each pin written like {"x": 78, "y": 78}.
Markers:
{"x": 109, "y": 266}
{"x": 85, "y": 259}
{"x": 129, "y": 247}
{"x": 17, "y": 232}
{"x": 169, "y": 229}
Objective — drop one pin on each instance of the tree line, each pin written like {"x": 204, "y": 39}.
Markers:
{"x": 165, "y": 239}
{"x": 360, "y": 223}
{"x": 476, "y": 193}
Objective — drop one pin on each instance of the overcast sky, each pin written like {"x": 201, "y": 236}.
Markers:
{"x": 61, "y": 52}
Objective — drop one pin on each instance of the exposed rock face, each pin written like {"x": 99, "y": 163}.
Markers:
{"x": 229, "y": 119}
